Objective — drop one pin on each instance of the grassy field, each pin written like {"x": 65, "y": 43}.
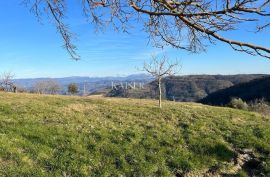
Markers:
{"x": 74, "y": 136}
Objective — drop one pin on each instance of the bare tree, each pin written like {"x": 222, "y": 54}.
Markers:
{"x": 53, "y": 86}
{"x": 39, "y": 87}
{"x": 47, "y": 87}
{"x": 184, "y": 24}
{"x": 159, "y": 68}
{"x": 6, "y": 82}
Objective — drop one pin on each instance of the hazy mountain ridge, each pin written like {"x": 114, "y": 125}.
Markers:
{"x": 91, "y": 83}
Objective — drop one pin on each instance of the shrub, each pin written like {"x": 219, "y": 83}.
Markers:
{"x": 260, "y": 106}
{"x": 73, "y": 88}
{"x": 22, "y": 90}
{"x": 238, "y": 103}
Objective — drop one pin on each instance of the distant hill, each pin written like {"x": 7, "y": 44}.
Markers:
{"x": 196, "y": 87}
{"x": 187, "y": 88}
{"x": 249, "y": 91}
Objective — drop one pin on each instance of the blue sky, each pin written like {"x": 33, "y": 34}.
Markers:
{"x": 30, "y": 49}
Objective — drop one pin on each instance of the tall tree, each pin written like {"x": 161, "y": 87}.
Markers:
{"x": 184, "y": 24}
{"x": 160, "y": 67}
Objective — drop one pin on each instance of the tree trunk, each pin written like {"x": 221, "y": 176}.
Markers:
{"x": 160, "y": 92}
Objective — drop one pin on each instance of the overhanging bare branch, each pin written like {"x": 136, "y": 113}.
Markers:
{"x": 184, "y": 24}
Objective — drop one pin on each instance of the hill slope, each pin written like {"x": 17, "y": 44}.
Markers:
{"x": 187, "y": 88}
{"x": 74, "y": 136}
{"x": 249, "y": 91}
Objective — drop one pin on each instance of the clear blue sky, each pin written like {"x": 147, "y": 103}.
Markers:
{"x": 30, "y": 49}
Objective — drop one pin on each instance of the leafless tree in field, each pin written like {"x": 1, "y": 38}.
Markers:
{"x": 6, "y": 82}
{"x": 160, "y": 67}
{"x": 184, "y": 24}
{"x": 47, "y": 87}
{"x": 39, "y": 87}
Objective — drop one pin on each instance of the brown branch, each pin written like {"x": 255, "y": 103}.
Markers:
{"x": 172, "y": 21}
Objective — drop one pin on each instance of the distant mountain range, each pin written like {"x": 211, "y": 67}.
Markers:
{"x": 92, "y": 84}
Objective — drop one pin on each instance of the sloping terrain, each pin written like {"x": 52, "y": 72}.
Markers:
{"x": 75, "y": 136}
{"x": 249, "y": 91}
{"x": 186, "y": 88}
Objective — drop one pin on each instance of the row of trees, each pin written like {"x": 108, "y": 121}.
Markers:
{"x": 49, "y": 86}
{"x": 53, "y": 87}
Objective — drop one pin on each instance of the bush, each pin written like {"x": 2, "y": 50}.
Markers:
{"x": 238, "y": 103}
{"x": 73, "y": 88}
{"x": 260, "y": 106}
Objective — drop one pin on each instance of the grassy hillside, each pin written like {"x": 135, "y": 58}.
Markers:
{"x": 73, "y": 136}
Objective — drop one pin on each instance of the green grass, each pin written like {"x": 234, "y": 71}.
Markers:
{"x": 74, "y": 136}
